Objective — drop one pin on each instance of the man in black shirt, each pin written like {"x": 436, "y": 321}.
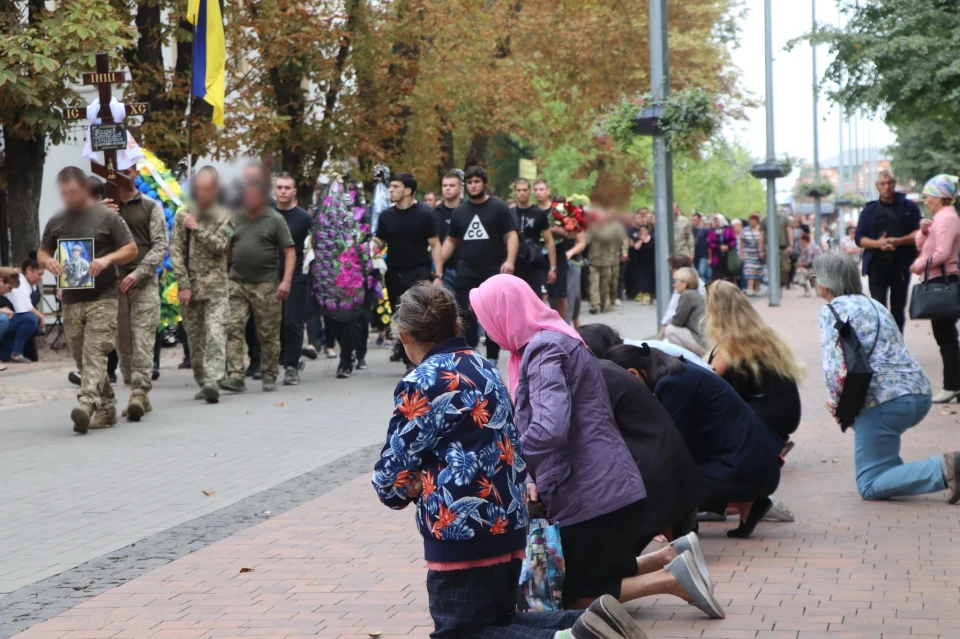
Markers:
{"x": 535, "y": 236}
{"x": 451, "y": 187}
{"x": 295, "y": 306}
{"x": 409, "y": 231}
{"x": 885, "y": 231}
{"x": 486, "y": 234}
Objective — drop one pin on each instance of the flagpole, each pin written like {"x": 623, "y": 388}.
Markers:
{"x": 190, "y": 111}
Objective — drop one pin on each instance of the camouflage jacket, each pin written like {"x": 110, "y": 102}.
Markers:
{"x": 607, "y": 242}
{"x": 200, "y": 256}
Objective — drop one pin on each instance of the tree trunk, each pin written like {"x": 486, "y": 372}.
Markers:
{"x": 447, "y": 158}
{"x": 477, "y": 153}
{"x": 24, "y": 170}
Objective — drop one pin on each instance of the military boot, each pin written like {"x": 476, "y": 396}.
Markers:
{"x": 210, "y": 393}
{"x": 147, "y": 406}
{"x": 105, "y": 418}
{"x": 81, "y": 418}
{"x": 135, "y": 408}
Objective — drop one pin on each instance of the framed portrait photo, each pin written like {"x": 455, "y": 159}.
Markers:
{"x": 75, "y": 255}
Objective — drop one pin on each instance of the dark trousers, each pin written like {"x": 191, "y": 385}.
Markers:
{"x": 480, "y": 603}
{"x": 291, "y": 331}
{"x": 945, "y": 332}
{"x": 253, "y": 342}
{"x": 399, "y": 281}
{"x": 471, "y": 327}
{"x": 352, "y": 335}
{"x": 314, "y": 323}
{"x": 113, "y": 360}
{"x": 743, "y": 488}
{"x": 886, "y": 276}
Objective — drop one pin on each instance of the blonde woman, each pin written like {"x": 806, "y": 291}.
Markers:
{"x": 685, "y": 327}
{"x": 756, "y": 361}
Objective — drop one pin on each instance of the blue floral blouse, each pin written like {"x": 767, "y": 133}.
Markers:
{"x": 895, "y": 372}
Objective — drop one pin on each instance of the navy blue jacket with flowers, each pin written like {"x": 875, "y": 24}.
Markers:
{"x": 453, "y": 422}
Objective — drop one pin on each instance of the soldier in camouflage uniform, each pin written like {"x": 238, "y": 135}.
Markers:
{"x": 90, "y": 314}
{"x": 608, "y": 247}
{"x": 198, "y": 249}
{"x": 260, "y": 235}
{"x": 140, "y": 296}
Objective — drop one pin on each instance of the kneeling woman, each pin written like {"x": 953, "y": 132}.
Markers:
{"x": 581, "y": 466}
{"x": 737, "y": 454}
{"x": 452, "y": 447}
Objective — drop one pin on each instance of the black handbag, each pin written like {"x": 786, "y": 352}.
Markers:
{"x": 935, "y": 300}
{"x": 859, "y": 372}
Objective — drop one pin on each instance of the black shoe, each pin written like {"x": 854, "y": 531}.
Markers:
{"x": 758, "y": 511}
{"x": 291, "y": 376}
{"x": 156, "y": 373}
{"x": 113, "y": 378}
{"x": 250, "y": 370}
{"x": 343, "y": 372}
{"x": 396, "y": 357}
{"x": 74, "y": 378}
{"x": 309, "y": 352}
{"x": 362, "y": 365}
{"x": 184, "y": 364}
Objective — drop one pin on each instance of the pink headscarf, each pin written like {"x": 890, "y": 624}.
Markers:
{"x": 512, "y": 315}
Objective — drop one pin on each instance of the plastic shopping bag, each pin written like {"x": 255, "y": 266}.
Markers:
{"x": 541, "y": 577}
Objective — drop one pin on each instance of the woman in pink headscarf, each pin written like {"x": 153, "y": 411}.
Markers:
{"x": 572, "y": 445}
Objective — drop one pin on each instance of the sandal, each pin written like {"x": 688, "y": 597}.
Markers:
{"x": 758, "y": 511}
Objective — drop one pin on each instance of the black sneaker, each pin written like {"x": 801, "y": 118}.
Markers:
{"x": 113, "y": 378}
{"x": 184, "y": 364}
{"x": 362, "y": 365}
{"x": 251, "y": 369}
{"x": 309, "y": 352}
{"x": 156, "y": 373}
{"x": 343, "y": 372}
{"x": 74, "y": 378}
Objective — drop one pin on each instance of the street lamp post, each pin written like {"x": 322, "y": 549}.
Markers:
{"x": 817, "y": 197}
{"x": 662, "y": 160}
{"x": 770, "y": 170}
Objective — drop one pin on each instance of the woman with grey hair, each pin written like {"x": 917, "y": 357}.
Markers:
{"x": 899, "y": 395}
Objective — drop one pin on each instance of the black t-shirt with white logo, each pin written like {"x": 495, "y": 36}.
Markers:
{"x": 407, "y": 233}
{"x": 480, "y": 230}
{"x": 533, "y": 222}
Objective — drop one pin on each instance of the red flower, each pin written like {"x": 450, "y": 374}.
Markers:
{"x": 428, "y": 484}
{"x": 445, "y": 519}
{"x": 413, "y": 407}
{"x": 487, "y": 488}
{"x": 506, "y": 451}
{"x": 500, "y": 526}
{"x": 403, "y": 479}
{"x": 452, "y": 378}
{"x": 480, "y": 413}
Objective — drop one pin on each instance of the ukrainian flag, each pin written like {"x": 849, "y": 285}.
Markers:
{"x": 209, "y": 54}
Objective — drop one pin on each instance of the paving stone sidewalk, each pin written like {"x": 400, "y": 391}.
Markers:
{"x": 343, "y": 566}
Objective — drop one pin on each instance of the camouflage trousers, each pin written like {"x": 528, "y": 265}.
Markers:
{"x": 259, "y": 298}
{"x": 603, "y": 286}
{"x": 138, "y": 319}
{"x": 90, "y": 328}
{"x": 206, "y": 324}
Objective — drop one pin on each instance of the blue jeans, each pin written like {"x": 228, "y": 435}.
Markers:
{"x": 703, "y": 269}
{"x": 881, "y": 473}
{"x": 20, "y": 328}
{"x": 449, "y": 279}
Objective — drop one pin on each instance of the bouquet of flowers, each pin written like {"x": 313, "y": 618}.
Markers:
{"x": 342, "y": 271}
{"x": 568, "y": 216}
{"x": 157, "y": 182}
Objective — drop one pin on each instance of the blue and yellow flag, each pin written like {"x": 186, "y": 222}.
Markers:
{"x": 209, "y": 54}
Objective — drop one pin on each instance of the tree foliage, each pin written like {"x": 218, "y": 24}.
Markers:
{"x": 900, "y": 57}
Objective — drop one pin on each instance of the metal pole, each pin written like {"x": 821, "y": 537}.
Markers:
{"x": 817, "y": 212}
{"x": 190, "y": 114}
{"x": 773, "y": 237}
{"x": 841, "y": 165}
{"x": 662, "y": 161}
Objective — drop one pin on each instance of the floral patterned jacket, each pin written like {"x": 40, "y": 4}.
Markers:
{"x": 454, "y": 424}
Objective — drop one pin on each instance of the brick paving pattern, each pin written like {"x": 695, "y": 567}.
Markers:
{"x": 343, "y": 566}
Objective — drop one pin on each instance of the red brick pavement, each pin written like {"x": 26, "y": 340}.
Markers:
{"x": 343, "y": 566}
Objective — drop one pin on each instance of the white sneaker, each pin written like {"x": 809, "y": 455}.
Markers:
{"x": 618, "y": 302}
{"x": 945, "y": 396}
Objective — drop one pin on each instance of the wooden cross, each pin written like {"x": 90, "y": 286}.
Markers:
{"x": 109, "y": 136}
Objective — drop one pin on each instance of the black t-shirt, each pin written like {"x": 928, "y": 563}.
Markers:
{"x": 407, "y": 233}
{"x": 480, "y": 230}
{"x": 532, "y": 222}
{"x": 299, "y": 222}
{"x": 443, "y": 214}
{"x": 887, "y": 220}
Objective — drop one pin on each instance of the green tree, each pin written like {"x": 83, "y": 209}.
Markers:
{"x": 42, "y": 54}
{"x": 899, "y": 57}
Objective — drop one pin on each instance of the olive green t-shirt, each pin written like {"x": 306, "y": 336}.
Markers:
{"x": 256, "y": 245}
{"x": 107, "y": 230}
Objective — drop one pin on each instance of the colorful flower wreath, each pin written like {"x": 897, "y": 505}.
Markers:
{"x": 156, "y": 182}
{"x": 342, "y": 269}
{"x": 572, "y": 218}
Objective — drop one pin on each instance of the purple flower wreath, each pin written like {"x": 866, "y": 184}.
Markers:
{"x": 342, "y": 271}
